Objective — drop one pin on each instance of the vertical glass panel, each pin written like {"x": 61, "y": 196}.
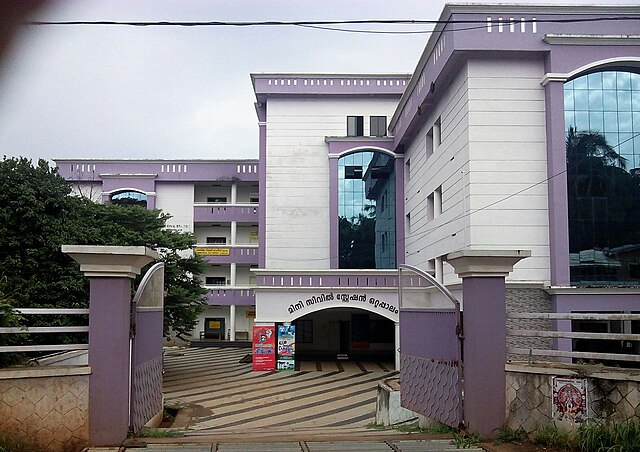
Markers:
{"x": 603, "y": 150}
{"x": 624, "y": 100}
{"x": 362, "y": 220}
{"x": 595, "y": 100}
{"x": 609, "y": 100}
{"x": 594, "y": 81}
{"x": 624, "y": 81}
{"x": 608, "y": 80}
{"x": 596, "y": 121}
{"x": 581, "y": 99}
{"x": 568, "y": 99}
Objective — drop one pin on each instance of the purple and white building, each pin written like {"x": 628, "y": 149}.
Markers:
{"x": 481, "y": 148}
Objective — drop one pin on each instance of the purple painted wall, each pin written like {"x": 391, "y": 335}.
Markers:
{"x": 224, "y": 213}
{"x": 227, "y": 297}
{"x": 346, "y": 278}
{"x": 109, "y": 360}
{"x": 164, "y": 170}
{"x": 485, "y": 353}
{"x": 238, "y": 254}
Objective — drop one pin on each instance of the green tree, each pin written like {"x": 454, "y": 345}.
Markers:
{"x": 37, "y": 216}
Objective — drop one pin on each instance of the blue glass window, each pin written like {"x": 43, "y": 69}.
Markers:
{"x": 129, "y": 198}
{"x": 602, "y": 123}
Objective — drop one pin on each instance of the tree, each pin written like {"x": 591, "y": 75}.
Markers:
{"x": 604, "y": 198}
{"x": 38, "y": 215}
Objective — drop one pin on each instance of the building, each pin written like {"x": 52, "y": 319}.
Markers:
{"x": 518, "y": 130}
{"x": 217, "y": 201}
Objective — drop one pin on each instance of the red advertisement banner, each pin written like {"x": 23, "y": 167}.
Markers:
{"x": 264, "y": 348}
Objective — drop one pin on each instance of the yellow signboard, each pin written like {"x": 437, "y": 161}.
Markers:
{"x": 250, "y": 314}
{"x": 253, "y": 234}
{"x": 214, "y": 324}
{"x": 213, "y": 251}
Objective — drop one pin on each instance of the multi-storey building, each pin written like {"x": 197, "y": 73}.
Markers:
{"x": 358, "y": 174}
{"x": 216, "y": 200}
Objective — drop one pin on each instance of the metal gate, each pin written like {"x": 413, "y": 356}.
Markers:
{"x": 430, "y": 347}
{"x": 145, "y": 397}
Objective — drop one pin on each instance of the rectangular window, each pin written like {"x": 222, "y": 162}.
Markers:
{"x": 353, "y": 172}
{"x": 383, "y": 242}
{"x": 437, "y": 202}
{"x": 217, "y": 199}
{"x": 215, "y": 281}
{"x": 408, "y": 224}
{"x": 407, "y": 171}
{"x": 355, "y": 126}
{"x": 216, "y": 240}
{"x": 430, "y": 207}
{"x": 437, "y": 129}
{"x": 378, "y": 126}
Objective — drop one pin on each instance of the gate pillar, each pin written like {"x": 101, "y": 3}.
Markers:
{"x": 110, "y": 270}
{"x": 483, "y": 275}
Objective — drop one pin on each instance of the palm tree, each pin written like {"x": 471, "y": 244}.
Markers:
{"x": 604, "y": 199}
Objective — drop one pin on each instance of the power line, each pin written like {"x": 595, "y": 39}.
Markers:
{"x": 327, "y": 24}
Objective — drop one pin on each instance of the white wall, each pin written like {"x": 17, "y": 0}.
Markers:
{"x": 176, "y": 199}
{"x": 430, "y": 238}
{"x": 202, "y": 232}
{"x": 219, "y": 190}
{"x": 493, "y": 145}
{"x": 508, "y": 154}
{"x": 297, "y": 185}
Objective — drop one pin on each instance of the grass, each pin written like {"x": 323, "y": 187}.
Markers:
{"x": 466, "y": 440}
{"x": 509, "y": 435}
{"x": 595, "y": 435}
{"x": 9, "y": 443}
{"x": 158, "y": 433}
{"x": 550, "y": 435}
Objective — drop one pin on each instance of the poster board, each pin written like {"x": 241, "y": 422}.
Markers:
{"x": 286, "y": 347}
{"x": 264, "y": 348}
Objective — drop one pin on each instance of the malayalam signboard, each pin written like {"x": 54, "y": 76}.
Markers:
{"x": 264, "y": 348}
{"x": 213, "y": 251}
{"x": 286, "y": 347}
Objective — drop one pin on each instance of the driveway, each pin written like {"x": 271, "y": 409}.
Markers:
{"x": 225, "y": 398}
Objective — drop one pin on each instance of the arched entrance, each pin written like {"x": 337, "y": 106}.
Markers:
{"x": 348, "y": 334}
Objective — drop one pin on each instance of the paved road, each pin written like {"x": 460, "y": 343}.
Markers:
{"x": 227, "y": 398}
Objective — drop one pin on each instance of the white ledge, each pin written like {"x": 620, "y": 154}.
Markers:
{"x": 485, "y": 263}
{"x": 111, "y": 261}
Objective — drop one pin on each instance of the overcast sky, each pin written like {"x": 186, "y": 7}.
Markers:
{"x": 172, "y": 92}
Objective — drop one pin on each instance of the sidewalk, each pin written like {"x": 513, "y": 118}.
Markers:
{"x": 408, "y": 445}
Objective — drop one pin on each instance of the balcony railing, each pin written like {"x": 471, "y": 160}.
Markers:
{"x": 225, "y": 212}
{"x": 227, "y": 254}
{"x": 227, "y": 296}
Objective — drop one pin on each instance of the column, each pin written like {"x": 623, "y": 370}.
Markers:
{"x": 234, "y": 231}
{"x": 483, "y": 275}
{"x": 234, "y": 193}
{"x": 232, "y": 322}
{"x": 110, "y": 270}
{"x": 397, "y": 345}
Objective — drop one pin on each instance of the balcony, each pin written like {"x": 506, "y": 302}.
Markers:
{"x": 227, "y": 254}
{"x": 227, "y": 295}
{"x": 207, "y": 212}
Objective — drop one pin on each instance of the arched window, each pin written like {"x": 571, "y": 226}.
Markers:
{"x": 366, "y": 211}
{"x": 129, "y": 198}
{"x": 602, "y": 123}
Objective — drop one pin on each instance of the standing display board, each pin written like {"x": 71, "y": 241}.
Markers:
{"x": 264, "y": 348}
{"x": 286, "y": 347}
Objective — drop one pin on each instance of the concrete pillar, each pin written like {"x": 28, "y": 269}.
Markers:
{"x": 234, "y": 231}
{"x": 397, "y": 345}
{"x": 232, "y": 274}
{"x": 483, "y": 275}
{"x": 232, "y": 322}
{"x": 234, "y": 193}
{"x": 110, "y": 270}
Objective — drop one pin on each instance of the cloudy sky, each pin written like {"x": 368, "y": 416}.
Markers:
{"x": 174, "y": 92}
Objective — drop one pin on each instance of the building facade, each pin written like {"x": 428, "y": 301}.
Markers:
{"x": 518, "y": 130}
{"x": 217, "y": 201}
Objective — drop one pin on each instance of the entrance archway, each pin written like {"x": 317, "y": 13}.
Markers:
{"x": 348, "y": 334}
